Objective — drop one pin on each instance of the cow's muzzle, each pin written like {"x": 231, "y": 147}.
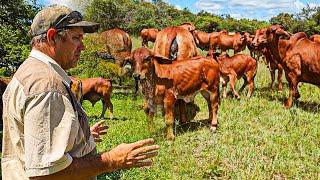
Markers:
{"x": 136, "y": 76}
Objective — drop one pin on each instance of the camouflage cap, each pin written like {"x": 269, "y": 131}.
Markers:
{"x": 59, "y": 17}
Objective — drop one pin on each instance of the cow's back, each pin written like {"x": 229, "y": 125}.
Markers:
{"x": 185, "y": 43}
{"x": 118, "y": 44}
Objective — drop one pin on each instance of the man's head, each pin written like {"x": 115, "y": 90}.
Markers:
{"x": 58, "y": 31}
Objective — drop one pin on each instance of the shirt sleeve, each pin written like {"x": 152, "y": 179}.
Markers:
{"x": 50, "y": 128}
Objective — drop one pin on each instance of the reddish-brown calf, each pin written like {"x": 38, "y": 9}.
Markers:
{"x": 178, "y": 80}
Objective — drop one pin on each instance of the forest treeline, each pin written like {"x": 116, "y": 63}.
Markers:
{"x": 132, "y": 16}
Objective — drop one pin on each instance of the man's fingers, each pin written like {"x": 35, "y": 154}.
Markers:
{"x": 95, "y": 134}
{"x": 98, "y": 124}
{"x": 103, "y": 132}
{"x": 97, "y": 140}
{"x": 144, "y": 150}
{"x": 144, "y": 156}
{"x": 141, "y": 143}
{"x": 101, "y": 122}
{"x": 102, "y": 128}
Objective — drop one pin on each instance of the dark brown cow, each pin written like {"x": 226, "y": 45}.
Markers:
{"x": 176, "y": 43}
{"x": 315, "y": 38}
{"x": 94, "y": 89}
{"x": 179, "y": 80}
{"x": 235, "y": 41}
{"x": 236, "y": 67}
{"x": 301, "y": 60}
{"x": 118, "y": 44}
{"x": 149, "y": 34}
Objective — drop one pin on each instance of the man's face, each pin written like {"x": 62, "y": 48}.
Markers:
{"x": 68, "y": 51}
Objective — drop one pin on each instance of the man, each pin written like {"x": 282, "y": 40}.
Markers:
{"x": 46, "y": 133}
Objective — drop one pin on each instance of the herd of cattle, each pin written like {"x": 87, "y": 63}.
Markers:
{"x": 173, "y": 72}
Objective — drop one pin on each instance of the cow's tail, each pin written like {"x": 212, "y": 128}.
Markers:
{"x": 174, "y": 47}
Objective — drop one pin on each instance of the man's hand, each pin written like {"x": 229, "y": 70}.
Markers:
{"x": 126, "y": 156}
{"x": 98, "y": 129}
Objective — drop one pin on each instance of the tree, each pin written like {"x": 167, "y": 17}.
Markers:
{"x": 15, "y": 18}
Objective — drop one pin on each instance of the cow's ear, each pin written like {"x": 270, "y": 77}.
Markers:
{"x": 162, "y": 59}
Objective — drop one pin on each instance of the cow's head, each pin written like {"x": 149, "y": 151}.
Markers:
{"x": 141, "y": 62}
{"x": 260, "y": 38}
{"x": 277, "y": 31}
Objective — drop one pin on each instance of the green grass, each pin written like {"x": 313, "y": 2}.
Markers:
{"x": 256, "y": 139}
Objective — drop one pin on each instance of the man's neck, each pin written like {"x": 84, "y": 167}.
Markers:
{"x": 49, "y": 51}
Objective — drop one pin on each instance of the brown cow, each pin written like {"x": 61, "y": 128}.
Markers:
{"x": 226, "y": 41}
{"x": 118, "y": 44}
{"x": 149, "y": 34}
{"x": 315, "y": 38}
{"x": 271, "y": 60}
{"x": 203, "y": 39}
{"x": 176, "y": 43}
{"x": 94, "y": 89}
{"x": 179, "y": 80}
{"x": 235, "y": 67}
{"x": 301, "y": 60}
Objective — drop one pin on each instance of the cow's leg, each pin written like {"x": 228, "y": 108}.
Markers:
{"x": 206, "y": 96}
{"x": 224, "y": 81}
{"x": 250, "y": 79}
{"x": 233, "y": 78}
{"x": 293, "y": 86}
{"x": 182, "y": 109}
{"x": 169, "y": 101}
{"x": 294, "y": 71}
{"x": 280, "y": 72}
{"x": 212, "y": 99}
{"x": 272, "y": 73}
{"x": 150, "y": 110}
{"x": 245, "y": 83}
{"x": 144, "y": 43}
{"x": 109, "y": 106}
{"x": 104, "y": 108}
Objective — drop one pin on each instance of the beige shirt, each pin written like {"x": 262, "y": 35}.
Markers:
{"x": 44, "y": 126}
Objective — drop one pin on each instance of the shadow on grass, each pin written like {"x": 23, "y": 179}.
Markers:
{"x": 307, "y": 106}
{"x": 191, "y": 126}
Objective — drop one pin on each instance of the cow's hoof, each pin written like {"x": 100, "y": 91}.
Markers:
{"x": 213, "y": 129}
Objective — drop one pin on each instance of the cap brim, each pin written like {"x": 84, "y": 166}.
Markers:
{"x": 88, "y": 27}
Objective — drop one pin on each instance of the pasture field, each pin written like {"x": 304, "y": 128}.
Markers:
{"x": 256, "y": 139}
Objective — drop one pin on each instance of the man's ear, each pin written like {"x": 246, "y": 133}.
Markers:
{"x": 51, "y": 33}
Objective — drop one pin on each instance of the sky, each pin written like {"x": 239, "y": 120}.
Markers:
{"x": 250, "y": 9}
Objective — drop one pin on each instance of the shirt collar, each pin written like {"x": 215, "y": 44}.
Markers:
{"x": 51, "y": 63}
